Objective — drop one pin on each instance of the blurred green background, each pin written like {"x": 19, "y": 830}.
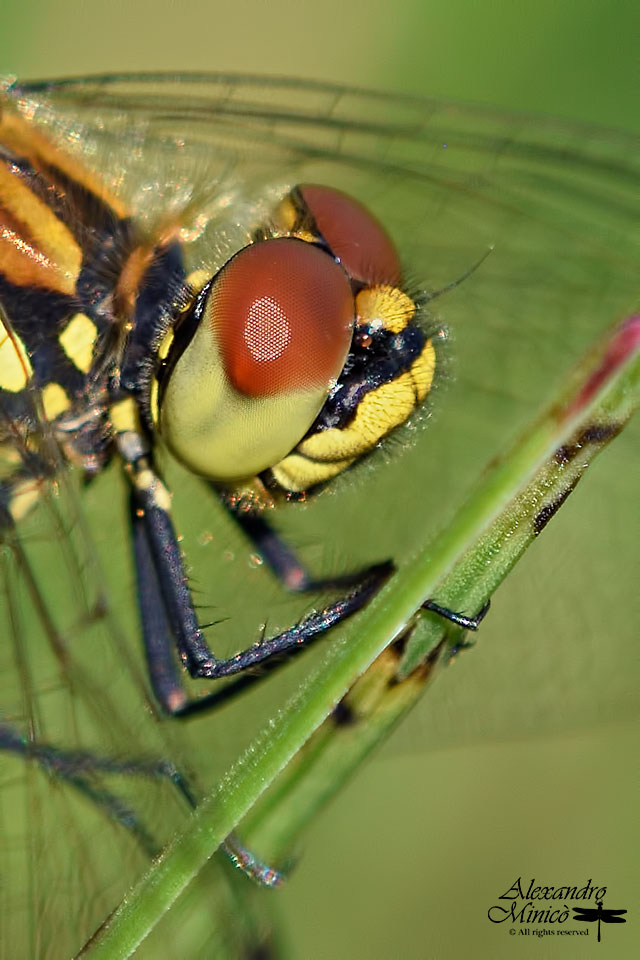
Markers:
{"x": 491, "y": 779}
{"x": 577, "y": 59}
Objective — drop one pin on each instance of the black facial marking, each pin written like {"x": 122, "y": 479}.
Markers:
{"x": 383, "y": 357}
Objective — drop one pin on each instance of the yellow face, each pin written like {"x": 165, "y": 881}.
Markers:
{"x": 300, "y": 355}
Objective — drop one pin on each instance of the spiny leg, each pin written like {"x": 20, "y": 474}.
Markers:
{"x": 166, "y": 607}
{"x": 166, "y": 586}
{"x": 292, "y": 574}
{"x": 157, "y": 633}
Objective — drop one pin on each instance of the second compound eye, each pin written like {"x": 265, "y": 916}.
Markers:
{"x": 353, "y": 235}
{"x": 282, "y": 314}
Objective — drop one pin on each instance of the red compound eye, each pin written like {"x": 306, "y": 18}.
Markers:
{"x": 354, "y": 236}
{"x": 282, "y": 312}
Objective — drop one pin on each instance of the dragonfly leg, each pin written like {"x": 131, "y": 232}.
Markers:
{"x": 169, "y": 619}
{"x": 280, "y": 557}
{"x": 81, "y": 770}
{"x": 468, "y": 623}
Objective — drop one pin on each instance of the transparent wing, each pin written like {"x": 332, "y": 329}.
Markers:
{"x": 90, "y": 788}
{"x": 559, "y": 205}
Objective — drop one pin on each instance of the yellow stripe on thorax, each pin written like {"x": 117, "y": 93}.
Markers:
{"x": 124, "y": 416}
{"x": 25, "y": 141}
{"x": 54, "y": 400}
{"x": 10, "y": 459}
{"x": 15, "y": 366}
{"x": 78, "y": 339}
{"x": 36, "y": 248}
{"x": 23, "y": 496}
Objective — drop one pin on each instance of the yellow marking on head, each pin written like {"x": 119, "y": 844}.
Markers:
{"x": 285, "y": 215}
{"x": 54, "y": 400}
{"x": 283, "y": 222}
{"x": 36, "y": 248}
{"x": 422, "y": 370}
{"x": 328, "y": 452}
{"x": 297, "y": 473}
{"x": 124, "y": 416}
{"x": 153, "y": 402}
{"x": 197, "y": 279}
{"x": 78, "y": 339}
{"x": 305, "y": 235}
{"x": 165, "y": 346}
{"x": 163, "y": 352}
{"x": 377, "y": 414}
{"x": 385, "y": 305}
{"x": 15, "y": 366}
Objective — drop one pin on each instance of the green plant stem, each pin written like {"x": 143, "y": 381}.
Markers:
{"x": 396, "y": 680}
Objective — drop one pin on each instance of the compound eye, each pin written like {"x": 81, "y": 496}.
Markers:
{"x": 282, "y": 313}
{"x": 354, "y": 236}
{"x": 273, "y": 333}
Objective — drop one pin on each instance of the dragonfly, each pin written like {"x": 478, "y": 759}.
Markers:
{"x": 173, "y": 163}
{"x": 591, "y": 914}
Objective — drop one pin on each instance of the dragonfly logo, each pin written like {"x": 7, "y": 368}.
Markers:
{"x": 590, "y": 915}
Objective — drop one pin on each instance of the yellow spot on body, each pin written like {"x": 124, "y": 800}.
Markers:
{"x": 305, "y": 235}
{"x": 54, "y": 400}
{"x": 144, "y": 479}
{"x": 284, "y": 221}
{"x": 385, "y": 305}
{"x": 23, "y": 497}
{"x": 10, "y": 458}
{"x": 78, "y": 339}
{"x": 147, "y": 480}
{"x": 15, "y": 366}
{"x": 124, "y": 416}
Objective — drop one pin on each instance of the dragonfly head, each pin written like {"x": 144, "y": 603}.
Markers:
{"x": 299, "y": 355}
